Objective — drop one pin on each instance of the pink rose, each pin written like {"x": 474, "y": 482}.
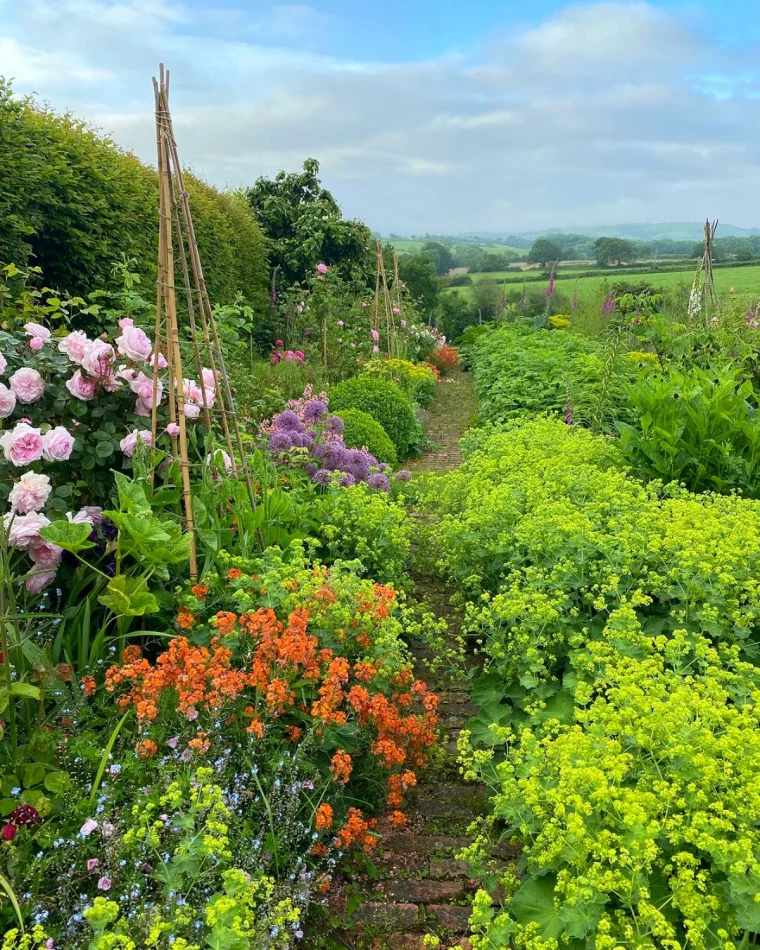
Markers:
{"x": 36, "y": 344}
{"x": 57, "y": 445}
{"x": 172, "y": 429}
{"x": 126, "y": 373}
{"x": 375, "y": 336}
{"x": 219, "y": 458}
{"x": 90, "y": 514}
{"x": 98, "y": 359}
{"x": 104, "y": 883}
{"x": 24, "y": 529}
{"x": 403, "y": 323}
{"x": 142, "y": 385}
{"x": 278, "y": 343}
{"x": 192, "y": 390}
{"x": 321, "y": 268}
{"x": 110, "y": 382}
{"x": 22, "y": 445}
{"x": 162, "y": 363}
{"x": 191, "y": 410}
{"x": 7, "y": 401}
{"x": 340, "y": 323}
{"x": 80, "y": 387}
{"x": 29, "y": 493}
{"x": 128, "y": 443}
{"x": 38, "y": 581}
{"x": 126, "y": 322}
{"x": 88, "y": 827}
{"x": 92, "y": 863}
{"x": 37, "y": 332}
{"x": 209, "y": 378}
{"x": 75, "y": 345}
{"x": 141, "y": 409}
{"x": 299, "y": 356}
{"x": 27, "y": 384}
{"x": 134, "y": 343}
{"x": 46, "y": 556}
{"x": 375, "y": 349}
{"x": 3, "y": 364}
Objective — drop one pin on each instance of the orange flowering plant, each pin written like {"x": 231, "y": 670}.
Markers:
{"x": 283, "y": 652}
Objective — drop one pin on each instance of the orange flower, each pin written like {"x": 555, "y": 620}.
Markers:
{"x": 256, "y": 728}
{"x": 319, "y": 850}
{"x": 293, "y": 733}
{"x": 146, "y": 748}
{"x": 200, "y": 743}
{"x": 185, "y": 619}
{"x": 341, "y": 766}
{"x": 398, "y": 819}
{"x": 89, "y": 686}
{"x": 353, "y": 831}
{"x": 199, "y": 591}
{"x": 279, "y": 695}
{"x": 233, "y": 573}
{"x": 324, "y": 817}
{"x": 224, "y": 621}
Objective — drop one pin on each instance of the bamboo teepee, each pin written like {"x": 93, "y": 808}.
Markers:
{"x": 177, "y": 239}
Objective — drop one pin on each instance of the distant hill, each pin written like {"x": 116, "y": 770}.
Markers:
{"x": 673, "y": 230}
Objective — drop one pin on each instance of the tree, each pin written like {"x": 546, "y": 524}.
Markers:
{"x": 613, "y": 251}
{"x": 487, "y": 296}
{"x": 544, "y": 252}
{"x": 440, "y": 256}
{"x": 455, "y": 314}
{"x": 417, "y": 272}
{"x": 306, "y": 227}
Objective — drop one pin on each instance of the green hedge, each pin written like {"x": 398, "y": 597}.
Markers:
{"x": 387, "y": 403}
{"x": 362, "y": 430}
{"x": 72, "y": 202}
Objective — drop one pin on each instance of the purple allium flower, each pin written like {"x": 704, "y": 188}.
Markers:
{"x": 379, "y": 481}
{"x": 313, "y": 411}
{"x": 281, "y": 442}
{"x": 311, "y": 469}
{"x": 347, "y": 480}
{"x": 287, "y": 420}
{"x": 321, "y": 476}
{"x": 403, "y": 475}
{"x": 335, "y": 424}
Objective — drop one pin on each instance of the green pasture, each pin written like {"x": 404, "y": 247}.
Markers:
{"x": 408, "y": 246}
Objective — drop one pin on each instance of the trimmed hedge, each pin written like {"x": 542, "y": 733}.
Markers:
{"x": 362, "y": 430}
{"x": 72, "y": 203}
{"x": 387, "y": 403}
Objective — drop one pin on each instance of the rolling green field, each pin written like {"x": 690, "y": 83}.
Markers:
{"x": 407, "y": 246}
{"x": 744, "y": 280}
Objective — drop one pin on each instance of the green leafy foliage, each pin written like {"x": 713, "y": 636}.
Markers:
{"x": 387, "y": 403}
{"x": 697, "y": 426}
{"x": 72, "y": 203}
{"x": 362, "y": 431}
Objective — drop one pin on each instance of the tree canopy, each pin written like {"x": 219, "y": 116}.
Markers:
{"x": 613, "y": 251}
{"x": 417, "y": 272}
{"x": 305, "y": 226}
{"x": 544, "y": 251}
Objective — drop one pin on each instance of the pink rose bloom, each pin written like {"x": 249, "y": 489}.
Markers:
{"x": 46, "y": 556}
{"x": 80, "y": 387}
{"x": 141, "y": 409}
{"x": 375, "y": 349}
{"x": 162, "y": 363}
{"x": 75, "y": 346}
{"x": 38, "y": 332}
{"x": 29, "y": 493}
{"x": 134, "y": 343}
{"x": 128, "y": 443}
{"x": 299, "y": 356}
{"x": 396, "y": 310}
{"x": 3, "y": 364}
{"x": 27, "y": 384}
{"x": 402, "y": 322}
{"x": 22, "y": 445}
{"x": 192, "y": 390}
{"x": 210, "y": 397}
{"x": 98, "y": 359}
{"x": 220, "y": 457}
{"x": 36, "y": 344}
{"x": 92, "y": 863}
{"x": 209, "y": 378}
{"x": 278, "y": 343}
{"x": 126, "y": 322}
{"x": 110, "y": 382}
{"x": 321, "y": 268}
{"x": 7, "y": 401}
{"x": 38, "y": 581}
{"x": 90, "y": 514}
{"x": 24, "y": 529}
{"x": 57, "y": 445}
{"x": 340, "y": 323}
{"x": 172, "y": 429}
{"x": 191, "y": 410}
{"x": 375, "y": 336}
{"x": 125, "y": 373}
{"x": 104, "y": 883}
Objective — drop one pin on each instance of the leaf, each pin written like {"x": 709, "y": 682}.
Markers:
{"x": 33, "y": 775}
{"x": 57, "y": 783}
{"x": 70, "y": 537}
{"x": 26, "y": 690}
{"x": 128, "y": 597}
{"x": 534, "y": 903}
{"x": 132, "y": 497}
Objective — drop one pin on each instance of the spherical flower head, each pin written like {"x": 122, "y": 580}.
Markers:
{"x": 313, "y": 411}
{"x": 375, "y": 349}
{"x": 57, "y": 444}
{"x": 23, "y": 530}
{"x": 322, "y": 476}
{"x": 30, "y": 493}
{"x": 321, "y": 268}
{"x": 36, "y": 344}
{"x": 280, "y": 442}
{"x": 37, "y": 332}
{"x": 310, "y": 469}
{"x": 402, "y": 322}
{"x": 134, "y": 343}
{"x": 347, "y": 480}
{"x": 191, "y": 410}
{"x": 7, "y": 401}
{"x": 8, "y": 832}
{"x": 340, "y": 323}
{"x": 81, "y": 388}
{"x": 22, "y": 445}
{"x": 27, "y": 385}
{"x": 287, "y": 420}
{"x": 75, "y": 346}
{"x": 24, "y": 815}
{"x": 403, "y": 475}
{"x": 38, "y": 581}
{"x": 299, "y": 356}
{"x": 129, "y": 442}
{"x": 379, "y": 481}
{"x": 335, "y": 424}
{"x": 279, "y": 343}
{"x": 98, "y": 360}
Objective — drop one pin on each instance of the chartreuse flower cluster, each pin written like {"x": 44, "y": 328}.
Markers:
{"x": 640, "y": 817}
{"x": 417, "y": 379}
{"x": 546, "y": 534}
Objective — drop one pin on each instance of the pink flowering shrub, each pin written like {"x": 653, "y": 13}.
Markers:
{"x": 72, "y": 409}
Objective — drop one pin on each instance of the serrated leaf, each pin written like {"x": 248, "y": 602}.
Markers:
{"x": 70, "y": 537}
{"x": 128, "y": 597}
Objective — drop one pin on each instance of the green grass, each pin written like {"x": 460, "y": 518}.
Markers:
{"x": 407, "y": 246}
{"x": 744, "y": 280}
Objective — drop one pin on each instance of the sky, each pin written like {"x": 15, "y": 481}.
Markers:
{"x": 427, "y": 116}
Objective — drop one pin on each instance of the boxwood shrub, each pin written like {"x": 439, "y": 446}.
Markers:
{"x": 361, "y": 431}
{"x": 387, "y": 403}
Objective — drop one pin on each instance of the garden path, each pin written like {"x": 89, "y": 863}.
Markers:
{"x": 416, "y": 886}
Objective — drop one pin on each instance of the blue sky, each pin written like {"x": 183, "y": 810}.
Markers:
{"x": 428, "y": 116}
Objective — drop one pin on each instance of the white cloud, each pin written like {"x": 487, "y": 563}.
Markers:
{"x": 595, "y": 114}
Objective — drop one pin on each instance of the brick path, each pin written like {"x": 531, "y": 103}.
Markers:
{"x": 415, "y": 885}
